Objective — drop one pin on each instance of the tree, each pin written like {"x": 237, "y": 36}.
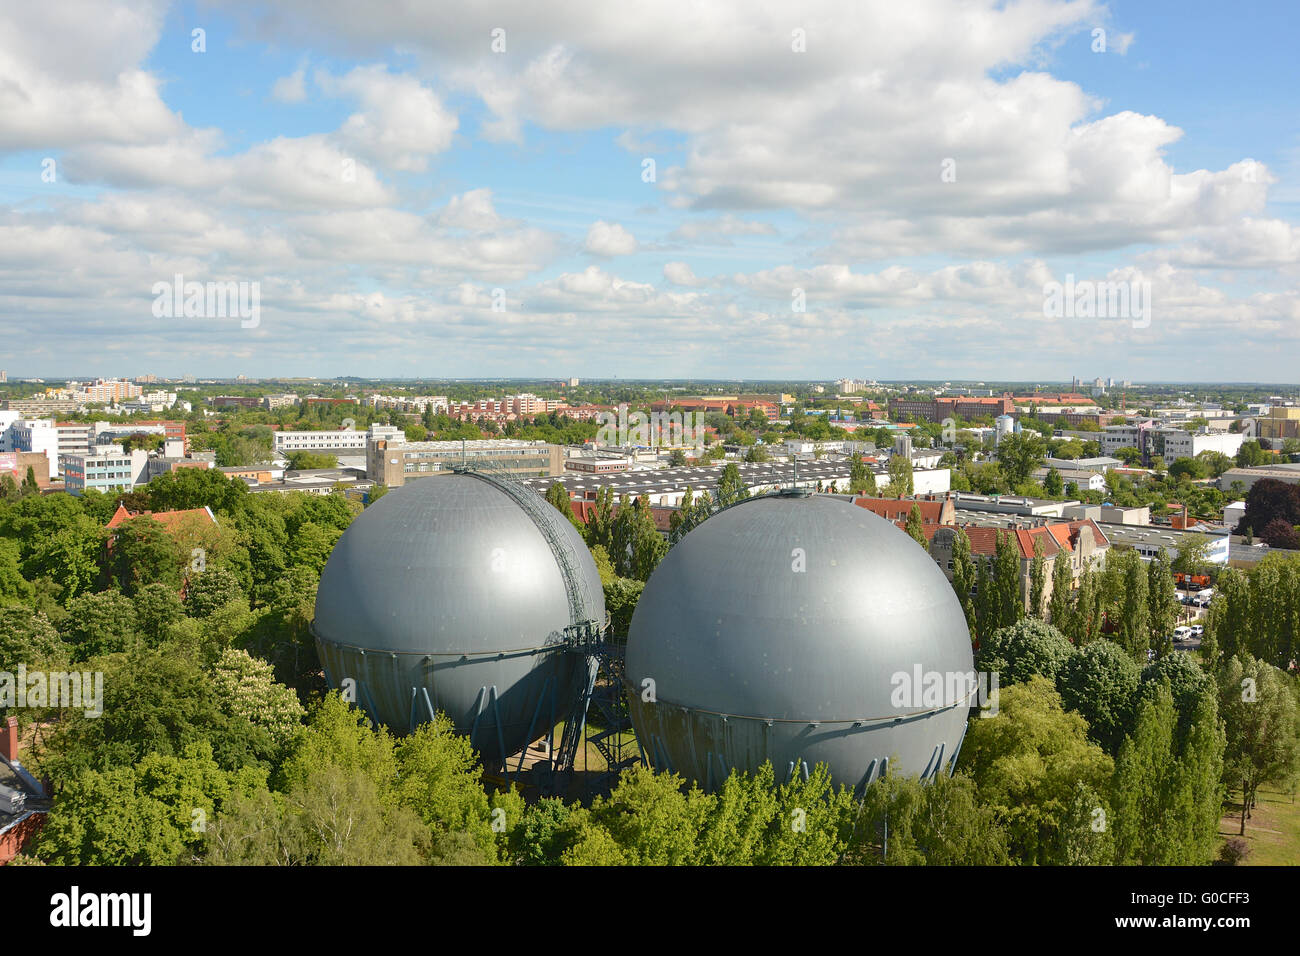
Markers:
{"x": 692, "y": 512}
{"x": 676, "y": 458}
{"x": 964, "y": 577}
{"x": 29, "y": 486}
{"x": 558, "y": 496}
{"x": 1229, "y": 626}
{"x": 1088, "y": 614}
{"x": 731, "y": 486}
{"x": 1190, "y": 468}
{"x": 1188, "y": 685}
{"x": 212, "y": 589}
{"x": 245, "y": 688}
{"x": 305, "y": 460}
{"x": 1026, "y": 765}
{"x": 1251, "y": 454}
{"x": 311, "y": 545}
{"x": 99, "y": 624}
{"x": 861, "y": 481}
{"x": 1021, "y": 651}
{"x": 155, "y": 700}
{"x": 14, "y": 588}
{"x": 1037, "y": 580}
{"x": 142, "y": 553}
{"x": 1053, "y": 486}
{"x": 27, "y": 637}
{"x": 900, "y": 476}
{"x": 1100, "y": 682}
{"x": 987, "y": 618}
{"x": 335, "y": 816}
{"x": 1259, "y": 715}
{"x": 1167, "y": 799}
{"x": 1216, "y": 463}
{"x": 1278, "y": 534}
{"x": 70, "y": 556}
{"x": 647, "y": 821}
{"x": 282, "y": 633}
{"x": 1010, "y": 602}
{"x": 150, "y": 814}
{"x": 1130, "y": 456}
{"x": 1060, "y": 604}
{"x": 1019, "y": 455}
{"x": 940, "y": 823}
{"x": 621, "y": 596}
{"x": 377, "y": 491}
{"x": 648, "y": 545}
{"x": 1134, "y": 633}
{"x": 1162, "y": 605}
{"x": 439, "y": 779}
{"x": 915, "y": 527}
{"x": 1193, "y": 554}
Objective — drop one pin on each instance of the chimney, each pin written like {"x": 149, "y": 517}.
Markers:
{"x": 9, "y": 742}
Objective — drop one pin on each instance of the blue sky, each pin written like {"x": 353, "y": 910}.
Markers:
{"x": 496, "y": 221}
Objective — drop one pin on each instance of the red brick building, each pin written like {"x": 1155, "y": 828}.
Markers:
{"x": 18, "y": 824}
{"x": 937, "y": 408}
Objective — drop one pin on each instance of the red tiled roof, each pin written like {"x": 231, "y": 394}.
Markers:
{"x": 585, "y": 508}
{"x": 168, "y": 519}
{"x": 895, "y": 509}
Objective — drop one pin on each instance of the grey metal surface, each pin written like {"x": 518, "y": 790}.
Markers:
{"x": 751, "y": 659}
{"x": 446, "y": 587}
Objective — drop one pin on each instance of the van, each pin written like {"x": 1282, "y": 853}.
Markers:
{"x": 1182, "y": 634}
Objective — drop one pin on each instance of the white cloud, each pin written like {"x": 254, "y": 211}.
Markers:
{"x": 472, "y": 210}
{"x": 608, "y": 239}
{"x": 680, "y": 273}
{"x": 291, "y": 88}
{"x": 401, "y": 123}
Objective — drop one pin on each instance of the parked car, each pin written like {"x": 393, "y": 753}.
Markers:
{"x": 1181, "y": 634}
{"x": 1198, "y": 630}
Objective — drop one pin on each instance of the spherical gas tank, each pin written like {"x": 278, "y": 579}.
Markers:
{"x": 450, "y": 594}
{"x": 799, "y": 629}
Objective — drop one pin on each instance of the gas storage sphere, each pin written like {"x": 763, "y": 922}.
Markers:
{"x": 800, "y": 629}
{"x": 451, "y": 594}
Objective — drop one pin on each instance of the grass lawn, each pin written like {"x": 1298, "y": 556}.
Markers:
{"x": 1272, "y": 831}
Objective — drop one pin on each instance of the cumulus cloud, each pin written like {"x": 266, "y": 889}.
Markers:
{"x": 680, "y": 273}
{"x": 401, "y": 123}
{"x": 935, "y": 172}
{"x": 291, "y": 88}
{"x": 608, "y": 239}
{"x": 70, "y": 74}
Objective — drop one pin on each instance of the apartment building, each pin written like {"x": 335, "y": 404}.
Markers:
{"x": 111, "y": 469}
{"x": 335, "y": 442}
{"x": 937, "y": 408}
{"x": 394, "y": 460}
